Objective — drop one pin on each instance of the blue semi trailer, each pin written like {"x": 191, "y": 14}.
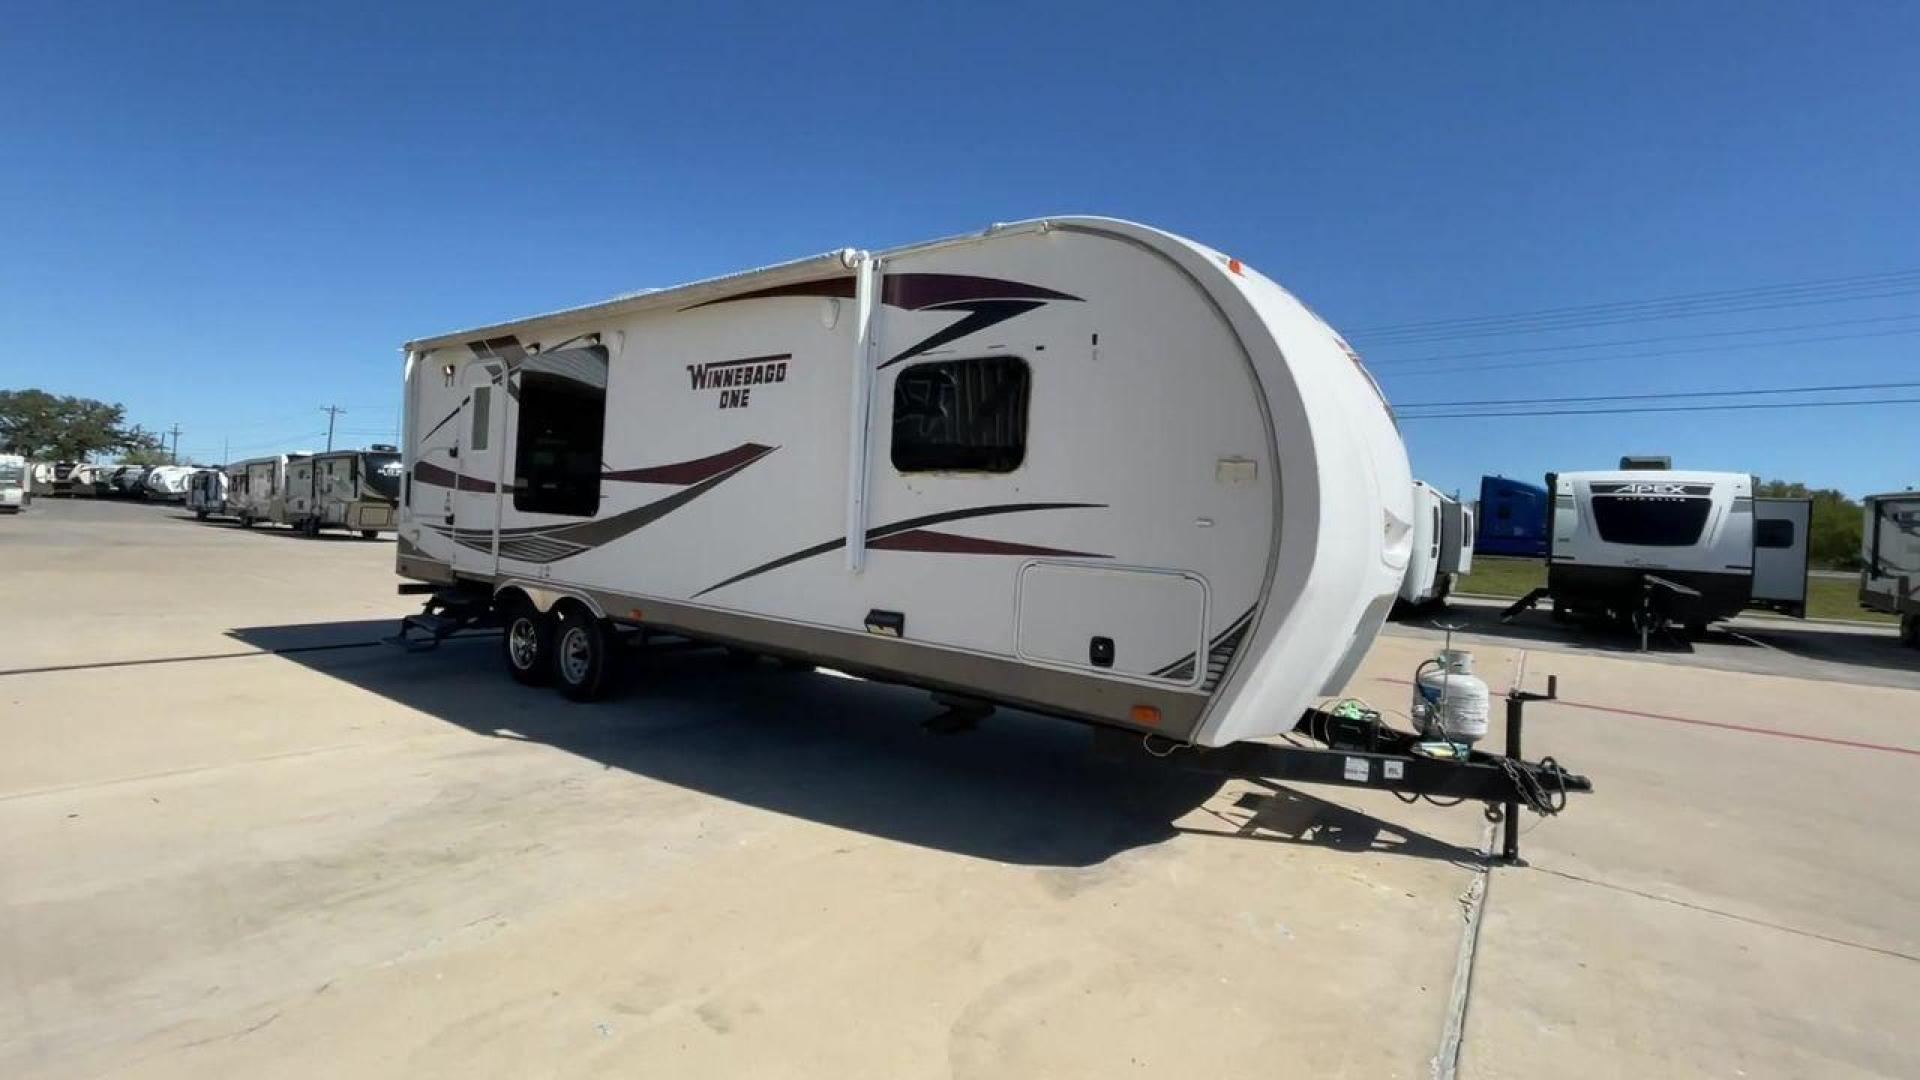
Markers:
{"x": 1513, "y": 518}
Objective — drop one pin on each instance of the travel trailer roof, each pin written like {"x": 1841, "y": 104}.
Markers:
{"x": 842, "y": 261}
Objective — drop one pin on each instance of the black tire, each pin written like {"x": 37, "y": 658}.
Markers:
{"x": 526, "y": 643}
{"x": 200, "y": 515}
{"x": 1910, "y": 630}
{"x": 582, "y": 653}
{"x": 246, "y": 521}
{"x": 369, "y": 534}
{"x": 311, "y": 527}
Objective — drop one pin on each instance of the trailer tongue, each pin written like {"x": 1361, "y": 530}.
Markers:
{"x": 1361, "y": 751}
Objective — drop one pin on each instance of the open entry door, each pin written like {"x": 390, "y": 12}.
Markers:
{"x": 476, "y": 498}
{"x": 1780, "y": 554}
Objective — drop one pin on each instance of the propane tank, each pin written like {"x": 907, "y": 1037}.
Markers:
{"x": 1449, "y": 700}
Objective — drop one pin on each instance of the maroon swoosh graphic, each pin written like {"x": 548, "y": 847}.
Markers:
{"x": 428, "y": 473}
{"x": 916, "y": 291}
{"x": 910, "y": 291}
{"x": 694, "y": 471}
{"x": 953, "y": 544}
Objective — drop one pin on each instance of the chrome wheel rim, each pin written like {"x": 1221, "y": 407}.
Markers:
{"x": 523, "y": 643}
{"x": 576, "y": 655}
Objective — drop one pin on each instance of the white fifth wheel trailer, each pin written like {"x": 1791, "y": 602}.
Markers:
{"x": 1890, "y": 559}
{"x": 1077, "y": 465}
{"x": 1424, "y": 582}
{"x": 257, "y": 489}
{"x": 355, "y": 490}
{"x": 1662, "y": 545}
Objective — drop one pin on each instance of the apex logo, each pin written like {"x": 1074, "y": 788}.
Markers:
{"x": 736, "y": 379}
{"x": 1652, "y": 489}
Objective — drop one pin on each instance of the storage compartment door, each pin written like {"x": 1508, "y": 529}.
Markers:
{"x": 1141, "y": 623}
{"x": 1780, "y": 553}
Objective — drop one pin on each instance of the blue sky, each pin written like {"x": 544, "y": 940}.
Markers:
{"x": 227, "y": 219}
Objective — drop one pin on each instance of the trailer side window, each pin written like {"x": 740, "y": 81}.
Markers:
{"x": 961, "y": 416}
{"x": 557, "y": 454}
{"x": 1773, "y": 533}
{"x": 482, "y": 420}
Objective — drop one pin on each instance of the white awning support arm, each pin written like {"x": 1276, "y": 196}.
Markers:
{"x": 860, "y": 414}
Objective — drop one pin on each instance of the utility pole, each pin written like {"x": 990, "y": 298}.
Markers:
{"x": 331, "y": 411}
{"x": 173, "y": 458}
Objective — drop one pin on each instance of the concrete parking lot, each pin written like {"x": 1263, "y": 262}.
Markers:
{"x": 244, "y": 838}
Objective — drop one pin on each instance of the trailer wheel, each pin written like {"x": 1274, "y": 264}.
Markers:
{"x": 1910, "y": 630}
{"x": 200, "y": 515}
{"x": 369, "y": 534}
{"x": 311, "y": 527}
{"x": 582, "y": 653}
{"x": 246, "y": 521}
{"x": 527, "y": 644}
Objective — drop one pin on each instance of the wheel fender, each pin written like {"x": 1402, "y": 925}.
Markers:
{"x": 543, "y": 598}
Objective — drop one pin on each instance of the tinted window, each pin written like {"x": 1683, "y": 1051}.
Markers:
{"x": 557, "y": 455}
{"x": 482, "y": 420}
{"x": 1650, "y": 522}
{"x": 1773, "y": 534}
{"x": 961, "y": 415}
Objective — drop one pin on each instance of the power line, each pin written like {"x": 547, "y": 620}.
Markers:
{"x": 1509, "y": 364}
{"x": 1528, "y": 413}
{"x": 1649, "y": 397}
{"x": 1824, "y": 290}
{"x": 1377, "y": 364}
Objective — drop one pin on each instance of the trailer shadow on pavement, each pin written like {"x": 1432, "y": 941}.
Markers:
{"x": 332, "y": 534}
{"x": 844, "y": 752}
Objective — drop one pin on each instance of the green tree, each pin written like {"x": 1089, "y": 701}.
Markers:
{"x": 61, "y": 428}
{"x": 1833, "y": 533}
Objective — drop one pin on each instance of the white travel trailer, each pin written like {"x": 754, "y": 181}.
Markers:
{"x": 14, "y": 491}
{"x": 355, "y": 490}
{"x": 1077, "y": 465}
{"x": 1664, "y": 545}
{"x": 207, "y": 493}
{"x": 1890, "y": 559}
{"x": 168, "y": 483}
{"x": 257, "y": 489}
{"x": 1456, "y": 538}
{"x": 1425, "y": 581}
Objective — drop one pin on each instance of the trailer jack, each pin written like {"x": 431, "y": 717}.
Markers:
{"x": 1358, "y": 753}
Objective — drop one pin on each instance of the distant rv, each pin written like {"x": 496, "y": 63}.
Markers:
{"x": 14, "y": 493}
{"x": 355, "y": 490}
{"x": 1890, "y": 559}
{"x": 207, "y": 493}
{"x": 257, "y": 489}
{"x": 1654, "y": 546}
{"x": 1513, "y": 518}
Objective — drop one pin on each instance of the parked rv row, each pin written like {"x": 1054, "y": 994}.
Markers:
{"x": 353, "y": 490}
{"x": 357, "y": 491}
